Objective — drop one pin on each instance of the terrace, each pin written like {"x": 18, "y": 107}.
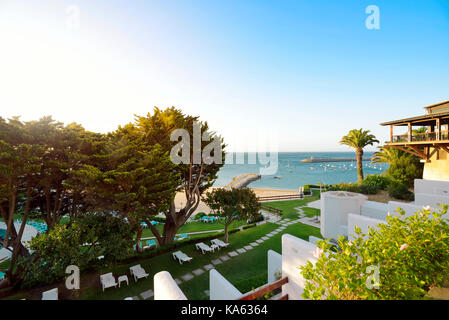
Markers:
{"x": 432, "y": 136}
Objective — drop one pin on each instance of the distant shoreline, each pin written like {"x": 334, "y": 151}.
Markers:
{"x": 315, "y": 160}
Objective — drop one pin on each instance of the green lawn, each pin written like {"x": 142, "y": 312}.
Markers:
{"x": 195, "y": 226}
{"x": 311, "y": 212}
{"x": 248, "y": 265}
{"x": 289, "y": 206}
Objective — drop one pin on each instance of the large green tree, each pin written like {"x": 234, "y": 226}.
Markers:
{"x": 359, "y": 139}
{"x": 196, "y": 172}
{"x": 66, "y": 149}
{"x": 132, "y": 179}
{"x": 232, "y": 205}
{"x": 20, "y": 163}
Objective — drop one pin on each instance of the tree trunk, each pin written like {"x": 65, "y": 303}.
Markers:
{"x": 226, "y": 238}
{"x": 170, "y": 230}
{"x": 359, "y": 155}
{"x": 138, "y": 237}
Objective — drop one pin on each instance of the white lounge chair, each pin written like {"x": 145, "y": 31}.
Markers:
{"x": 107, "y": 281}
{"x": 50, "y": 294}
{"x": 181, "y": 257}
{"x": 203, "y": 247}
{"x": 219, "y": 243}
{"x": 138, "y": 272}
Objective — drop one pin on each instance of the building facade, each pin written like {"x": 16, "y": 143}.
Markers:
{"x": 427, "y": 137}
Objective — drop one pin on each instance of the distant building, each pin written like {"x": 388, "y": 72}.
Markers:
{"x": 430, "y": 142}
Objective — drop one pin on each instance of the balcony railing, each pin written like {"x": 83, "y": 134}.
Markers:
{"x": 421, "y": 137}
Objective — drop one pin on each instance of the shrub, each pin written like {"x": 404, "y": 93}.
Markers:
{"x": 411, "y": 255}
{"x": 378, "y": 181}
{"x": 256, "y": 219}
{"x": 158, "y": 219}
{"x": 400, "y": 191}
{"x": 64, "y": 245}
{"x": 368, "y": 189}
{"x": 307, "y": 190}
{"x": 405, "y": 171}
{"x": 199, "y": 215}
{"x": 246, "y": 285}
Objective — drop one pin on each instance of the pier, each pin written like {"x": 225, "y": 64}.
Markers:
{"x": 243, "y": 180}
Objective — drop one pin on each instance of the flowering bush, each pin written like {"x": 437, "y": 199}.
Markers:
{"x": 402, "y": 259}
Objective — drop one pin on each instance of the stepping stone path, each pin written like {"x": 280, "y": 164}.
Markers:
{"x": 283, "y": 223}
{"x": 198, "y": 272}
{"x": 147, "y": 294}
{"x": 217, "y": 261}
{"x": 187, "y": 277}
{"x": 209, "y": 267}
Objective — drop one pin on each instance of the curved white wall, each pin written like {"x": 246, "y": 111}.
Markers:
{"x": 335, "y": 207}
{"x": 274, "y": 265}
{"x": 166, "y": 288}
{"x": 295, "y": 253}
{"x": 220, "y": 288}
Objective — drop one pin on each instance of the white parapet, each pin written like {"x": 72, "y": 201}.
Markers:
{"x": 295, "y": 253}
{"x": 364, "y": 223}
{"x": 431, "y": 192}
{"x": 374, "y": 209}
{"x": 409, "y": 208}
{"x": 335, "y": 207}
{"x": 274, "y": 266}
{"x": 166, "y": 288}
{"x": 220, "y": 288}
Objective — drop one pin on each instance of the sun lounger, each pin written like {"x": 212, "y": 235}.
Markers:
{"x": 138, "y": 272}
{"x": 219, "y": 243}
{"x": 203, "y": 247}
{"x": 181, "y": 257}
{"x": 107, "y": 280}
{"x": 50, "y": 294}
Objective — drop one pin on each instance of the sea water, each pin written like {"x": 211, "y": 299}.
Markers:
{"x": 291, "y": 173}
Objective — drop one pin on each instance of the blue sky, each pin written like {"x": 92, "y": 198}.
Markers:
{"x": 285, "y": 75}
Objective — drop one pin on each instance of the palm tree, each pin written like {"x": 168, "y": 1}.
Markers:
{"x": 391, "y": 156}
{"x": 359, "y": 139}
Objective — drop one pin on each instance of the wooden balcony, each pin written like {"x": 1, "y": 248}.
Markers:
{"x": 420, "y": 138}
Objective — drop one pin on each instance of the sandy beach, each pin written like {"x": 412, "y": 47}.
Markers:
{"x": 180, "y": 198}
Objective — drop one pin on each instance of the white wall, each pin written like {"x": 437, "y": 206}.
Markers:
{"x": 364, "y": 223}
{"x": 220, "y": 288}
{"x": 274, "y": 265}
{"x": 431, "y": 192}
{"x": 335, "y": 207}
{"x": 373, "y": 209}
{"x": 410, "y": 209}
{"x": 295, "y": 253}
{"x": 432, "y": 187}
{"x": 166, "y": 288}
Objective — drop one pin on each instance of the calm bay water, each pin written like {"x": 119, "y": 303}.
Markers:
{"x": 293, "y": 173}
